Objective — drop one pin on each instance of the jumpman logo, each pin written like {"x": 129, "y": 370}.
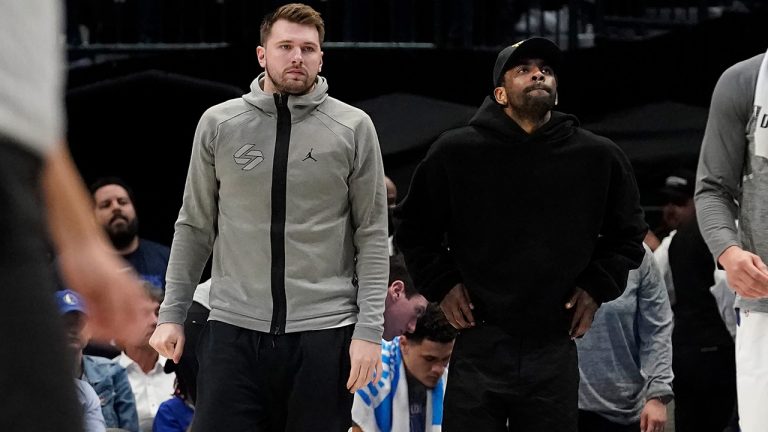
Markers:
{"x": 309, "y": 156}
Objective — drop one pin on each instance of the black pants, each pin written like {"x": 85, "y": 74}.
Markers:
{"x": 498, "y": 382}
{"x": 592, "y": 422}
{"x": 253, "y": 381}
{"x": 705, "y": 387}
{"x": 36, "y": 373}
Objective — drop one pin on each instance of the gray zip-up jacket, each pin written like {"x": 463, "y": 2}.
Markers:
{"x": 288, "y": 193}
{"x": 729, "y": 171}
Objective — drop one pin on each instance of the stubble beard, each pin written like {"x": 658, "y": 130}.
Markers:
{"x": 291, "y": 87}
{"x": 536, "y": 107}
{"x": 123, "y": 236}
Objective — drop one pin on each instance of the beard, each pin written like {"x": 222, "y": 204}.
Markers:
{"x": 534, "y": 107}
{"x": 121, "y": 236}
{"x": 288, "y": 86}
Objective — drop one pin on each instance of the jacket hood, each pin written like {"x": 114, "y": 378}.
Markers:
{"x": 491, "y": 116}
{"x": 299, "y": 105}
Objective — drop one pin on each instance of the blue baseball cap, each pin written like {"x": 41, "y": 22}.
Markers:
{"x": 69, "y": 301}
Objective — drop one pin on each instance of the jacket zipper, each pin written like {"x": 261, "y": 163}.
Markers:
{"x": 277, "y": 229}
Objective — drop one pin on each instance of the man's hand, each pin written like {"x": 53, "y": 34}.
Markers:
{"x": 654, "y": 416}
{"x": 746, "y": 272}
{"x": 365, "y": 358}
{"x": 584, "y": 308}
{"x": 457, "y": 307}
{"x": 118, "y": 307}
{"x": 168, "y": 340}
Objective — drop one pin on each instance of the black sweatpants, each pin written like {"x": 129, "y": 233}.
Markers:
{"x": 36, "y": 373}
{"x": 499, "y": 382}
{"x": 592, "y": 422}
{"x": 253, "y": 381}
{"x": 705, "y": 387}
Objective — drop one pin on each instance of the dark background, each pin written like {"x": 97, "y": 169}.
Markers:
{"x": 133, "y": 113}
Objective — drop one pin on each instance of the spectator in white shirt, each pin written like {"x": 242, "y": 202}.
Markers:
{"x": 151, "y": 386}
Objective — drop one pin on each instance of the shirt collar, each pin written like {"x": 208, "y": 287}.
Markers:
{"x": 127, "y": 362}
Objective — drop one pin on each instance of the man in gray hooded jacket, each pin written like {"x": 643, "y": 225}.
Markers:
{"x": 286, "y": 189}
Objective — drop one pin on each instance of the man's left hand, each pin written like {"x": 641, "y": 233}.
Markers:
{"x": 654, "y": 416}
{"x": 365, "y": 358}
{"x": 584, "y": 308}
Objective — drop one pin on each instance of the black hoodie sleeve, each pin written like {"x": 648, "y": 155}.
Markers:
{"x": 619, "y": 248}
{"x": 424, "y": 217}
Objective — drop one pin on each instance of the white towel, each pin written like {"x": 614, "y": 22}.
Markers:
{"x": 383, "y": 406}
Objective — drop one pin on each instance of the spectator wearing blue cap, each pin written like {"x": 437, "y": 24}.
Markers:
{"x": 108, "y": 379}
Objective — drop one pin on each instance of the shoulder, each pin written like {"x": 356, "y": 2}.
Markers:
{"x": 454, "y": 140}
{"x": 226, "y": 111}
{"x": 343, "y": 113}
{"x": 149, "y": 245}
{"x": 103, "y": 365}
{"x": 744, "y": 71}
{"x": 598, "y": 145}
{"x": 590, "y": 138}
{"x": 737, "y": 83}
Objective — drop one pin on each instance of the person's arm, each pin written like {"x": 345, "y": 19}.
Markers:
{"x": 368, "y": 206}
{"x": 424, "y": 215}
{"x": 719, "y": 176}
{"x": 117, "y": 306}
{"x": 124, "y": 402}
{"x": 619, "y": 248}
{"x": 192, "y": 242}
{"x": 721, "y": 163}
{"x": 654, "y": 323}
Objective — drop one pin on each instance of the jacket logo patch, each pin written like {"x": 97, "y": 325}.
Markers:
{"x": 247, "y": 157}
{"x": 309, "y": 156}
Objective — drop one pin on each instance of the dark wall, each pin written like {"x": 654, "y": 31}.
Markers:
{"x": 142, "y": 129}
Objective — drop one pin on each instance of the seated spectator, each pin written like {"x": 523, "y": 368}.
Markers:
{"x": 113, "y": 202}
{"x": 409, "y": 394}
{"x": 108, "y": 379}
{"x": 175, "y": 414}
{"x": 151, "y": 386}
{"x": 625, "y": 359}
{"x": 403, "y": 305}
{"x": 678, "y": 210}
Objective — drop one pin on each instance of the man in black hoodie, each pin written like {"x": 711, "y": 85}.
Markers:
{"x": 520, "y": 224}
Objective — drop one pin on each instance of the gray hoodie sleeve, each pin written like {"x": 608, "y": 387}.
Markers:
{"x": 195, "y": 227}
{"x": 721, "y": 162}
{"x": 654, "y": 324}
{"x": 368, "y": 203}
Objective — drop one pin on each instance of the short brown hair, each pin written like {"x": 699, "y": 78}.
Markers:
{"x": 298, "y": 13}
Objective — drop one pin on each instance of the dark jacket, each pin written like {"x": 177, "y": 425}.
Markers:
{"x": 522, "y": 220}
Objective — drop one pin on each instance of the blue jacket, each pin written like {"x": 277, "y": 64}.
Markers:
{"x": 110, "y": 381}
{"x": 174, "y": 415}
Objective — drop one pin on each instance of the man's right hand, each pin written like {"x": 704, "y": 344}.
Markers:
{"x": 457, "y": 307}
{"x": 168, "y": 340}
{"x": 747, "y": 273}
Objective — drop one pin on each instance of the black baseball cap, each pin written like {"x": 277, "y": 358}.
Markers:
{"x": 679, "y": 187}
{"x": 535, "y": 47}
